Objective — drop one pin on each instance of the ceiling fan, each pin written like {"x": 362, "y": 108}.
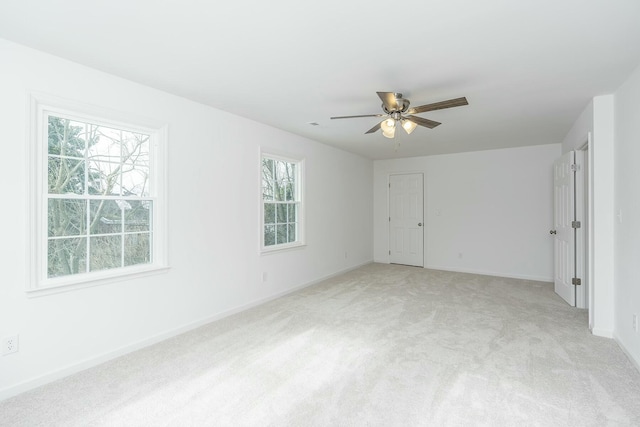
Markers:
{"x": 396, "y": 110}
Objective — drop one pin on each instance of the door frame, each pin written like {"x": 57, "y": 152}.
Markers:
{"x": 581, "y": 233}
{"x": 587, "y": 300}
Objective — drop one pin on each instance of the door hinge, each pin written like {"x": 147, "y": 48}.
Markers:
{"x": 389, "y": 252}
{"x": 576, "y": 281}
{"x": 389, "y": 219}
{"x": 389, "y": 185}
{"x": 575, "y": 224}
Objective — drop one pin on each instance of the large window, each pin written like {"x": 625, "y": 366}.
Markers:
{"x": 99, "y": 206}
{"x": 282, "y": 209}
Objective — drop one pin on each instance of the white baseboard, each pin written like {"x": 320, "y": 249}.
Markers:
{"x": 635, "y": 362}
{"x": 604, "y": 333}
{"x": 22, "y": 387}
{"x": 491, "y": 273}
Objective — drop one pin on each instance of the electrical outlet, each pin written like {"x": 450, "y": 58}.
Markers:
{"x": 635, "y": 322}
{"x": 10, "y": 345}
{"x": 264, "y": 276}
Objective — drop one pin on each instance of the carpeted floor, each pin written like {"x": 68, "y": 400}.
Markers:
{"x": 382, "y": 345}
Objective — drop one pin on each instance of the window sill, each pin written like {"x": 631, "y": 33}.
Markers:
{"x": 66, "y": 284}
{"x": 281, "y": 248}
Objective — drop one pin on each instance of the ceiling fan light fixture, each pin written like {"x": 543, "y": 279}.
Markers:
{"x": 388, "y": 127}
{"x": 391, "y": 133}
{"x": 388, "y": 124}
{"x": 409, "y": 126}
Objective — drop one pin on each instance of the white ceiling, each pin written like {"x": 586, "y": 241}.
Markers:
{"x": 528, "y": 68}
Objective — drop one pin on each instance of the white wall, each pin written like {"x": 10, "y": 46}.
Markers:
{"x": 214, "y": 230}
{"x": 602, "y": 223}
{"x": 578, "y": 134}
{"x": 627, "y": 202}
{"x": 495, "y": 210}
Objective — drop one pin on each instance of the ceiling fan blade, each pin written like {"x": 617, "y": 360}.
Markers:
{"x": 374, "y": 129}
{"x": 423, "y": 122}
{"x": 457, "y": 102}
{"x": 389, "y": 100}
{"x": 353, "y": 117}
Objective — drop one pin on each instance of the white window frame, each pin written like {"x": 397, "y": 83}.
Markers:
{"x": 41, "y": 106}
{"x": 299, "y": 189}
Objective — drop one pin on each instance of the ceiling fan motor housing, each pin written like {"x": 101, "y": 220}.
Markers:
{"x": 401, "y": 106}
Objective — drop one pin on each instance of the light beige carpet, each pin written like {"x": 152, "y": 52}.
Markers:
{"x": 383, "y": 345}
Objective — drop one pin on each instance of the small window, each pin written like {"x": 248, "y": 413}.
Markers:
{"x": 282, "y": 208}
{"x": 99, "y": 204}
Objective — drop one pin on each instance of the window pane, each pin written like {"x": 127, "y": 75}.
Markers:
{"x": 267, "y": 179}
{"x": 289, "y": 191}
{"x": 268, "y": 169}
{"x": 65, "y": 137}
{"x": 137, "y": 249}
{"x": 137, "y": 217}
{"x": 106, "y": 216}
{"x": 66, "y": 256}
{"x": 135, "y": 149}
{"x": 284, "y": 170}
{"x": 292, "y": 215}
{"x": 267, "y": 190}
{"x": 104, "y": 178}
{"x": 291, "y": 230}
{"x": 269, "y": 235}
{"x": 281, "y": 213}
{"x": 65, "y": 176}
{"x": 105, "y": 252}
{"x": 279, "y": 170}
{"x": 135, "y": 181}
{"x": 278, "y": 191}
{"x": 104, "y": 144}
{"x": 281, "y": 234}
{"x": 66, "y": 217}
{"x": 269, "y": 213}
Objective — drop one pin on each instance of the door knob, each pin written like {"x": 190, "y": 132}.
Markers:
{"x": 552, "y": 232}
{"x": 419, "y": 224}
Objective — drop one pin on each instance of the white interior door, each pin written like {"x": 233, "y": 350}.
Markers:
{"x": 563, "y": 215}
{"x": 406, "y": 222}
